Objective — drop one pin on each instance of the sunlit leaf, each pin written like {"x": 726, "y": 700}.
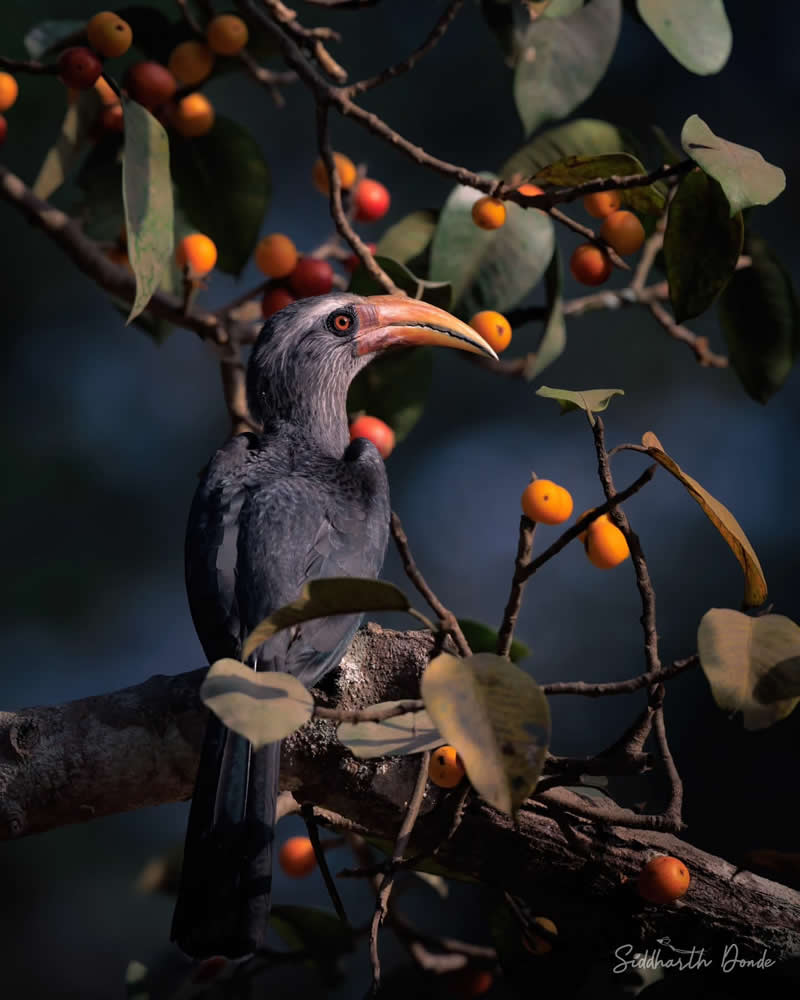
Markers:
{"x": 492, "y": 269}
{"x": 752, "y": 664}
{"x": 590, "y": 400}
{"x": 695, "y": 32}
{"x": 722, "y": 519}
{"x": 224, "y": 187}
{"x": 329, "y": 596}
{"x": 63, "y": 156}
{"x": 394, "y": 388}
{"x": 562, "y": 59}
{"x": 261, "y": 705}
{"x": 760, "y": 316}
{"x": 483, "y": 639}
{"x": 411, "y": 732}
{"x": 576, "y": 169}
{"x": 409, "y": 237}
{"x": 496, "y": 717}
{"x": 745, "y": 176}
{"x": 701, "y": 244}
{"x": 147, "y": 196}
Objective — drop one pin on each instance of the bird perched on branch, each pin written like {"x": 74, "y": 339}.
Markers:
{"x": 297, "y": 501}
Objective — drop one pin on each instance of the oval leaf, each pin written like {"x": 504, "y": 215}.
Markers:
{"x": 409, "y": 237}
{"x": 489, "y": 269}
{"x": 147, "y": 196}
{"x": 483, "y": 639}
{"x": 576, "y": 169}
{"x": 497, "y": 718}
{"x": 745, "y": 176}
{"x": 337, "y": 595}
{"x": 755, "y": 591}
{"x": 760, "y": 316}
{"x": 438, "y": 293}
{"x": 752, "y": 664}
{"x": 261, "y": 705}
{"x": 582, "y": 137}
{"x": 562, "y": 59}
{"x": 411, "y": 732}
{"x": 224, "y": 188}
{"x": 590, "y": 400}
{"x": 701, "y": 244}
{"x": 695, "y": 32}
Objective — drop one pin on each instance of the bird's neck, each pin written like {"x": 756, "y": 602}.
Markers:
{"x": 319, "y": 417}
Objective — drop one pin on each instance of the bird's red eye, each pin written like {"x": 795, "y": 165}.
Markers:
{"x": 342, "y": 322}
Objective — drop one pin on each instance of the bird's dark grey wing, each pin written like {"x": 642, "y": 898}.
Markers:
{"x": 211, "y": 549}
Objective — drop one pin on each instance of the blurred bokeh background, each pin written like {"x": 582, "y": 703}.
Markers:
{"x": 104, "y": 433}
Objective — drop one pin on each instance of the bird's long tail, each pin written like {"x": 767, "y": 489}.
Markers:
{"x": 224, "y": 897}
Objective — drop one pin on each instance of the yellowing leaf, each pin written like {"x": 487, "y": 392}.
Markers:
{"x": 752, "y": 664}
{"x": 263, "y": 706}
{"x": 590, "y": 400}
{"x": 411, "y": 732}
{"x": 496, "y": 717}
{"x": 338, "y": 595}
{"x": 755, "y": 592}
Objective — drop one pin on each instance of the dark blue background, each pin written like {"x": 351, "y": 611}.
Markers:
{"x": 104, "y": 433}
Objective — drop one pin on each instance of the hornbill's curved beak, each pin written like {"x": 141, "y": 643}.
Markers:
{"x": 396, "y": 321}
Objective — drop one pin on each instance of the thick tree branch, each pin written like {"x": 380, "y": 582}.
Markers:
{"x": 139, "y": 747}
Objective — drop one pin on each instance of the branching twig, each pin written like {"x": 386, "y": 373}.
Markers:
{"x": 447, "y": 620}
{"x": 699, "y": 345}
{"x": 505, "y": 635}
{"x": 313, "y": 834}
{"x": 607, "y": 688}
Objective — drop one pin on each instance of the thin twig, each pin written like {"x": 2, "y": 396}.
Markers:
{"x": 400, "y": 845}
{"x": 313, "y": 835}
{"x": 699, "y": 345}
{"x": 234, "y": 390}
{"x": 505, "y": 636}
{"x": 408, "y": 64}
{"x": 29, "y": 66}
{"x": 447, "y": 620}
{"x": 607, "y": 688}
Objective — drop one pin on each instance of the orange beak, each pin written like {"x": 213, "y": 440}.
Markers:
{"x": 396, "y": 321}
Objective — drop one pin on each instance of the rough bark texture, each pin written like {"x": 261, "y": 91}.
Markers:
{"x": 139, "y": 747}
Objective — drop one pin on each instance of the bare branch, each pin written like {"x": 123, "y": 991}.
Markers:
{"x": 505, "y": 635}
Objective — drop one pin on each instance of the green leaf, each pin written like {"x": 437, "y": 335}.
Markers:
{"x": 582, "y": 137}
{"x": 554, "y": 338}
{"x": 483, "y": 639}
{"x": 563, "y": 59}
{"x": 147, "y": 196}
{"x": 320, "y": 934}
{"x": 492, "y": 269}
{"x": 695, "y": 32}
{"x": 497, "y": 718}
{"x": 63, "y": 156}
{"x": 438, "y": 293}
{"x": 394, "y": 387}
{"x": 343, "y": 595}
{"x": 590, "y": 400}
{"x": 746, "y": 177}
{"x": 261, "y": 705}
{"x": 701, "y": 244}
{"x": 722, "y": 519}
{"x": 409, "y": 237}
{"x": 760, "y": 317}
{"x": 224, "y": 188}
{"x": 576, "y": 169}
{"x": 412, "y": 732}
{"x": 50, "y": 36}
{"x": 752, "y": 664}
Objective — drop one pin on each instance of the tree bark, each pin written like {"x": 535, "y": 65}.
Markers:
{"x": 139, "y": 747}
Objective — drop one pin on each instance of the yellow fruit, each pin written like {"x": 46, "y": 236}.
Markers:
{"x": 445, "y": 768}
{"x": 191, "y": 62}
{"x": 227, "y": 34}
{"x": 546, "y": 502}
{"x": 193, "y": 116}
{"x": 197, "y": 254}
{"x": 297, "y": 857}
{"x": 9, "y": 91}
{"x": 602, "y": 203}
{"x": 623, "y": 232}
{"x": 494, "y": 328}
{"x": 345, "y": 168}
{"x": 108, "y": 34}
{"x": 663, "y": 879}
{"x": 276, "y": 255}
{"x": 489, "y": 213}
{"x": 605, "y": 544}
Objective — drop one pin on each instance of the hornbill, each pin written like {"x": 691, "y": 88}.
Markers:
{"x": 294, "y": 502}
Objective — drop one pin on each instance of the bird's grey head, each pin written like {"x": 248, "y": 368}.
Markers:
{"x": 308, "y": 353}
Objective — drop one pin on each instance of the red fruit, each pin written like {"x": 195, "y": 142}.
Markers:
{"x": 274, "y": 300}
{"x": 372, "y": 200}
{"x": 79, "y": 67}
{"x": 311, "y": 277}
{"x": 3, "y": 129}
{"x": 112, "y": 118}
{"x": 374, "y": 430}
{"x": 351, "y": 263}
{"x": 150, "y": 83}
